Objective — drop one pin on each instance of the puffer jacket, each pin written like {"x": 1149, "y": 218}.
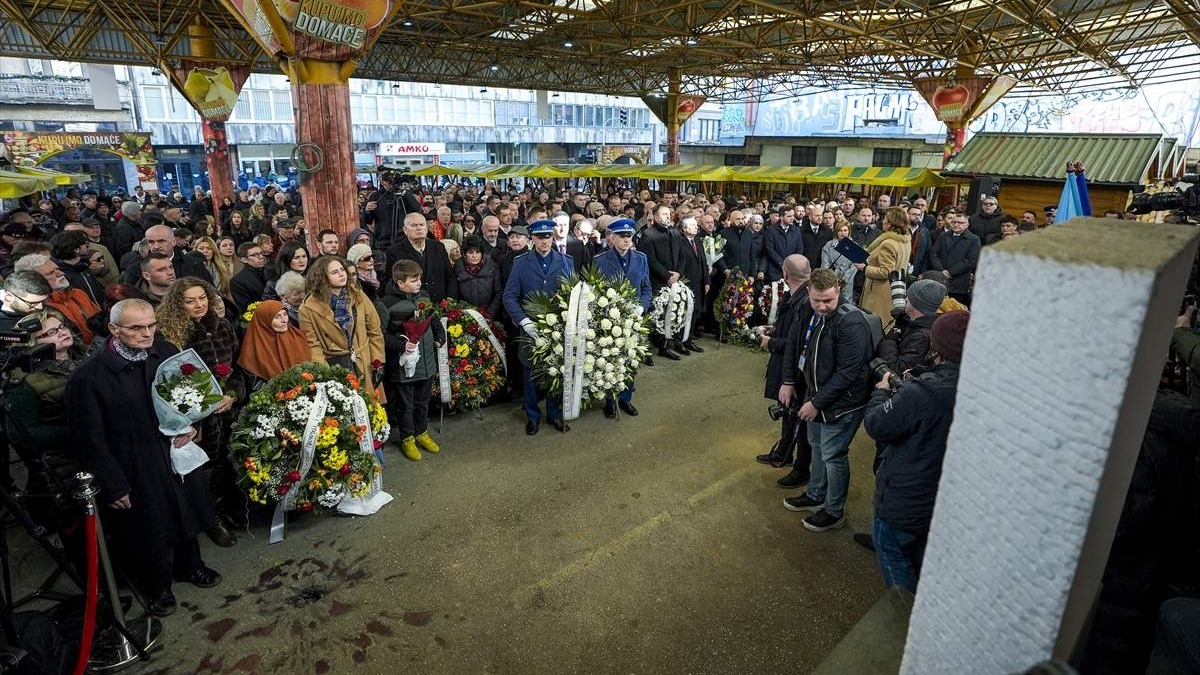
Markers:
{"x": 483, "y": 290}
{"x": 401, "y": 307}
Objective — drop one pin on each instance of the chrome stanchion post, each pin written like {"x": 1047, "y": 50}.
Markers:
{"x": 118, "y": 645}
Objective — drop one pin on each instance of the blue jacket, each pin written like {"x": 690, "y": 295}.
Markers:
{"x": 779, "y": 245}
{"x": 638, "y": 271}
{"x": 532, "y": 273}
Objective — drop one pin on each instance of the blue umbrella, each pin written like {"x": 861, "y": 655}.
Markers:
{"x": 1085, "y": 202}
{"x": 1068, "y": 205}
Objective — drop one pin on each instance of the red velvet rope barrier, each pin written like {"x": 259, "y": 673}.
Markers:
{"x": 93, "y": 590}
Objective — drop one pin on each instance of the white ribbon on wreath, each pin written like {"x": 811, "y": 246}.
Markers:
{"x": 575, "y": 350}
{"x": 369, "y": 503}
{"x": 666, "y": 305}
{"x": 443, "y": 365}
{"x": 487, "y": 330}
{"x": 774, "y": 296}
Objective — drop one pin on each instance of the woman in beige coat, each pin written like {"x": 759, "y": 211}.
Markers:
{"x": 339, "y": 323}
{"x": 888, "y": 253}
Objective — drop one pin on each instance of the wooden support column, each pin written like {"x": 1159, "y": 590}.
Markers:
{"x": 1051, "y": 409}
{"x": 321, "y": 96}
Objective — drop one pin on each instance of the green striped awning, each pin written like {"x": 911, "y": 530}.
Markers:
{"x": 1110, "y": 159}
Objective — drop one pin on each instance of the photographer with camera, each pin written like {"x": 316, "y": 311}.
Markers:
{"x": 908, "y": 345}
{"x": 912, "y": 423}
{"x": 792, "y": 447}
{"x": 387, "y": 207}
{"x": 25, "y": 292}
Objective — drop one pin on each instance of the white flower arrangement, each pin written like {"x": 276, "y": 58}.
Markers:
{"x": 671, "y": 308}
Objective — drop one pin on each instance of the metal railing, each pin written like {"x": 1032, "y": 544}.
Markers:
{"x": 32, "y": 89}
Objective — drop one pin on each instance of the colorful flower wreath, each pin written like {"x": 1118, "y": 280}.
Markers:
{"x": 267, "y": 445}
{"x": 476, "y": 366}
{"x": 736, "y": 303}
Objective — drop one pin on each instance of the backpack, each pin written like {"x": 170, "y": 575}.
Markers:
{"x": 874, "y": 324}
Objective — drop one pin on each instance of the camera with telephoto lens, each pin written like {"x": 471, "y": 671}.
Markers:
{"x": 776, "y": 411}
{"x": 1184, "y": 200}
{"x": 20, "y": 350}
{"x": 899, "y": 293}
{"x": 879, "y": 368}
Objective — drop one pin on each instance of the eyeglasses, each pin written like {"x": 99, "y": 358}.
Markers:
{"x": 259, "y": 254}
{"x": 366, "y": 257}
{"x": 148, "y": 328}
{"x": 54, "y": 331}
{"x": 33, "y": 304}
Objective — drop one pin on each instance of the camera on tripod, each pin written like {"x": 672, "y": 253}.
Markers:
{"x": 879, "y": 368}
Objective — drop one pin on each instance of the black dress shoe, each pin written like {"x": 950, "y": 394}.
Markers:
{"x": 560, "y": 425}
{"x": 531, "y": 428}
{"x": 692, "y": 347}
{"x": 865, "y": 540}
{"x": 648, "y": 361}
{"x": 203, "y": 577}
{"x": 627, "y": 408}
{"x": 221, "y": 535}
{"x": 163, "y": 604}
{"x": 610, "y": 411}
{"x": 668, "y": 354}
{"x": 793, "y": 480}
{"x": 682, "y": 348}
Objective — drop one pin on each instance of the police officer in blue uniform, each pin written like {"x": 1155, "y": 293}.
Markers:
{"x": 622, "y": 261}
{"x": 542, "y": 269}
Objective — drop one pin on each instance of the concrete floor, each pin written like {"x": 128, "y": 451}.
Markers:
{"x": 649, "y": 545}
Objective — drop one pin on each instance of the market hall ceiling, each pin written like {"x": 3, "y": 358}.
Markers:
{"x": 725, "y": 50}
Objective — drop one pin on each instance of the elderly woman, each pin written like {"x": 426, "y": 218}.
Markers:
{"x": 479, "y": 278}
{"x": 290, "y": 289}
{"x": 271, "y": 345}
{"x": 363, "y": 260}
{"x": 188, "y": 318}
{"x": 887, "y": 254}
{"x": 339, "y": 322}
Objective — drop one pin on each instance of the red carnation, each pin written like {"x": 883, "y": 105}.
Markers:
{"x": 421, "y": 305}
{"x": 454, "y": 315}
{"x": 345, "y": 470}
{"x": 282, "y": 489}
{"x": 223, "y": 370}
{"x": 305, "y": 507}
{"x": 378, "y": 444}
{"x": 293, "y": 476}
{"x": 377, "y": 364}
{"x": 188, "y": 369}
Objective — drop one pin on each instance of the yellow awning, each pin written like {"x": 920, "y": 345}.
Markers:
{"x": 16, "y": 184}
{"x": 877, "y": 175}
{"x": 59, "y": 177}
{"x": 439, "y": 170}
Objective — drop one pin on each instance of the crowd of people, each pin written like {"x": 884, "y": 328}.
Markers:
{"x": 113, "y": 286}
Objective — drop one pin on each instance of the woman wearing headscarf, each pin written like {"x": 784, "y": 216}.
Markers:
{"x": 271, "y": 345}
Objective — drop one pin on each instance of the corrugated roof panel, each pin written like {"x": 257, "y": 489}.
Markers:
{"x": 1108, "y": 158}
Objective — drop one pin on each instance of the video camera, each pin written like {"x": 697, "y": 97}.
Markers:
{"x": 19, "y": 349}
{"x": 1184, "y": 200}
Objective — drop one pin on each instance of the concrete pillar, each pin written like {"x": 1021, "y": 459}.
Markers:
{"x": 321, "y": 96}
{"x": 1069, "y": 332}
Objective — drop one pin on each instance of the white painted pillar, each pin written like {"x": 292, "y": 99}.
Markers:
{"x": 1069, "y": 332}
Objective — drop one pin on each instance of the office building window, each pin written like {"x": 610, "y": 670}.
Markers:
{"x": 155, "y": 105}
{"x": 805, "y": 155}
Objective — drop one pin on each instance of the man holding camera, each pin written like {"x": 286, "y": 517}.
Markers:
{"x": 25, "y": 292}
{"x": 831, "y": 352}
{"x": 792, "y": 447}
{"x": 386, "y": 209}
{"x": 910, "y": 345}
{"x": 912, "y": 422}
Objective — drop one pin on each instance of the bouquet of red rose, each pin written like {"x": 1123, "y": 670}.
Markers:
{"x": 184, "y": 393}
{"x": 414, "y": 329}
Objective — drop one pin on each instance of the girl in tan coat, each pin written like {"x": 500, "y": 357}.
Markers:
{"x": 888, "y": 253}
{"x": 339, "y": 323}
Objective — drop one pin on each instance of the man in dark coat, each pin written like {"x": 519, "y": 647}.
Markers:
{"x": 743, "y": 248}
{"x": 814, "y": 236}
{"x": 161, "y": 239}
{"x": 780, "y": 241}
{"x": 250, "y": 282}
{"x": 793, "y": 447}
{"x": 956, "y": 254}
{"x": 387, "y": 208}
{"x": 986, "y": 223}
{"x": 437, "y": 273}
{"x": 663, "y": 252}
{"x": 151, "y": 513}
{"x": 694, "y": 270}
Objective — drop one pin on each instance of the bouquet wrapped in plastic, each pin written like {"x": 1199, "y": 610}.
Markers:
{"x": 184, "y": 392}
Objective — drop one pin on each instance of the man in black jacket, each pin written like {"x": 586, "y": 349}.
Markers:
{"x": 956, "y": 254}
{"x": 831, "y": 353}
{"x": 663, "y": 253}
{"x": 986, "y": 223}
{"x": 386, "y": 209}
{"x": 793, "y": 447}
{"x": 160, "y": 240}
{"x": 743, "y": 247}
{"x": 911, "y": 347}
{"x": 437, "y": 273}
{"x": 913, "y": 423}
{"x": 248, "y": 284}
{"x": 815, "y": 236}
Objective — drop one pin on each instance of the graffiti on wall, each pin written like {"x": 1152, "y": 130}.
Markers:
{"x": 900, "y": 113}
